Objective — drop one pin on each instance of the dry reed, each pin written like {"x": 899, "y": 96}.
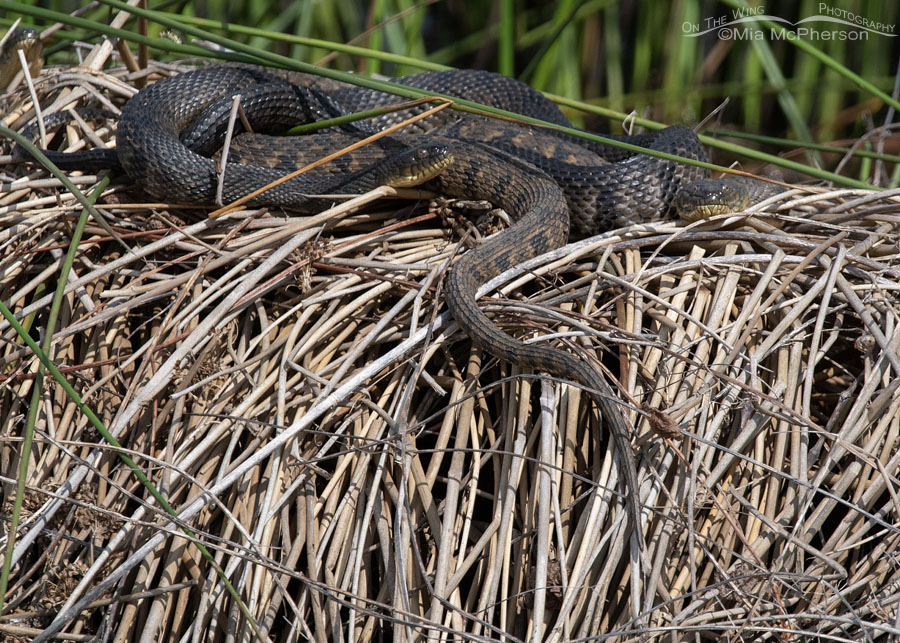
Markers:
{"x": 359, "y": 471}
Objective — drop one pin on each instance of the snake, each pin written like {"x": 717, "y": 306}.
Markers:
{"x": 29, "y": 42}
{"x": 549, "y": 182}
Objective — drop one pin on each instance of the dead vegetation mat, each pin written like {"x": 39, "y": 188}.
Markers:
{"x": 358, "y": 471}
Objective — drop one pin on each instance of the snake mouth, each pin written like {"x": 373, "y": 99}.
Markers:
{"x": 697, "y": 211}
{"x": 419, "y": 165}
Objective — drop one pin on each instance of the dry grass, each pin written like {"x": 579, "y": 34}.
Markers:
{"x": 360, "y": 472}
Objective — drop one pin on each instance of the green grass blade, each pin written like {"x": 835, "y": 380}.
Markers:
{"x": 37, "y": 389}
{"x": 824, "y": 58}
{"x": 45, "y": 361}
{"x": 506, "y": 43}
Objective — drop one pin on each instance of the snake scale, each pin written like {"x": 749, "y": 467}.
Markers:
{"x": 548, "y": 182}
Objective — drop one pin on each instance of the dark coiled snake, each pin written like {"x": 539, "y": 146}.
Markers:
{"x": 548, "y": 182}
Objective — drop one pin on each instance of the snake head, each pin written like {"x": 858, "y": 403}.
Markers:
{"x": 29, "y": 41}
{"x": 707, "y": 197}
{"x": 417, "y": 165}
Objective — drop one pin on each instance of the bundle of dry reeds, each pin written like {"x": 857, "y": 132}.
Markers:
{"x": 293, "y": 389}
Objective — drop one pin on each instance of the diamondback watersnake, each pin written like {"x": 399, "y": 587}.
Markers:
{"x": 544, "y": 180}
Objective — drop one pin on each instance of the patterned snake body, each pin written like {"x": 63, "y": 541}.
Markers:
{"x": 544, "y": 180}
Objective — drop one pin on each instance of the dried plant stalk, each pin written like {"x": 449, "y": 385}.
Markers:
{"x": 358, "y": 470}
